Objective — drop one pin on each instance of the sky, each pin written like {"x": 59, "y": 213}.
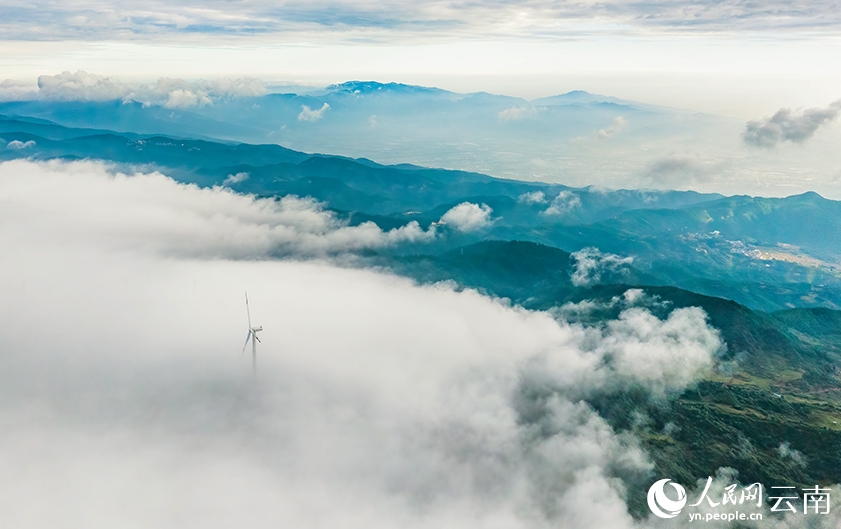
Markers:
{"x": 738, "y": 58}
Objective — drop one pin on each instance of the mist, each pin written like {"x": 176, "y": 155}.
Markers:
{"x": 125, "y": 400}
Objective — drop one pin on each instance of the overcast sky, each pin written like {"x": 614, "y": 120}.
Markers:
{"x": 734, "y": 57}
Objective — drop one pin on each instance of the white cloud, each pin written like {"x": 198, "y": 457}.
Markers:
{"x": 598, "y": 189}
{"x": 516, "y": 113}
{"x": 308, "y": 114}
{"x": 17, "y": 144}
{"x": 181, "y": 98}
{"x": 168, "y": 92}
{"x": 235, "y": 87}
{"x": 633, "y": 297}
{"x": 564, "y": 203}
{"x": 787, "y": 125}
{"x": 787, "y": 452}
{"x": 11, "y": 90}
{"x": 590, "y": 264}
{"x": 664, "y": 355}
{"x": 152, "y": 212}
{"x": 178, "y": 93}
{"x": 615, "y": 128}
{"x": 468, "y": 217}
{"x": 79, "y": 86}
{"x": 235, "y": 178}
{"x": 534, "y": 197}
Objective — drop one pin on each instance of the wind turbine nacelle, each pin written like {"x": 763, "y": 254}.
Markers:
{"x": 255, "y": 329}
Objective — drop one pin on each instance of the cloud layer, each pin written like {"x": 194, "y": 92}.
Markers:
{"x": 516, "y": 113}
{"x": 565, "y": 202}
{"x": 170, "y": 93}
{"x": 533, "y": 197}
{"x": 308, "y": 114}
{"x": 378, "y": 403}
{"x": 788, "y": 125}
{"x": 468, "y": 217}
{"x": 85, "y": 203}
{"x": 591, "y": 264}
{"x": 618, "y": 124}
{"x": 19, "y": 145}
{"x": 123, "y": 20}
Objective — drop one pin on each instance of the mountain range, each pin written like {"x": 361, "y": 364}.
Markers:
{"x": 767, "y": 253}
{"x": 569, "y": 136}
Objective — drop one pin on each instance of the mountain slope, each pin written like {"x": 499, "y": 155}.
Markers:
{"x": 776, "y": 382}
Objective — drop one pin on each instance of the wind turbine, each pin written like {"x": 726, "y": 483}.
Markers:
{"x": 252, "y": 333}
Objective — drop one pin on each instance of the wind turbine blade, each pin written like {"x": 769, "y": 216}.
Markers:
{"x": 247, "y": 311}
{"x": 246, "y": 340}
{"x": 258, "y": 340}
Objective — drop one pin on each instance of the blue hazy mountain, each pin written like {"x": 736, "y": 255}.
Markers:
{"x": 567, "y": 136}
{"x": 388, "y": 113}
{"x": 353, "y": 184}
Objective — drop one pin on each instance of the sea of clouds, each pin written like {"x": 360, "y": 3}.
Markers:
{"x": 125, "y": 400}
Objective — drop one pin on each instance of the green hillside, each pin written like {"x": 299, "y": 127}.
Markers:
{"x": 776, "y": 384}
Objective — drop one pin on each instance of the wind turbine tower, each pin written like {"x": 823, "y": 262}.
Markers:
{"x": 252, "y": 335}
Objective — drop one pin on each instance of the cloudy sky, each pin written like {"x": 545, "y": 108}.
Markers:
{"x": 735, "y": 57}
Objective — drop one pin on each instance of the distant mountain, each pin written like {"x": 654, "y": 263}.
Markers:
{"x": 373, "y": 87}
{"x": 127, "y": 117}
{"x": 559, "y": 137}
{"x": 578, "y": 97}
{"x": 45, "y": 128}
{"x": 347, "y": 184}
